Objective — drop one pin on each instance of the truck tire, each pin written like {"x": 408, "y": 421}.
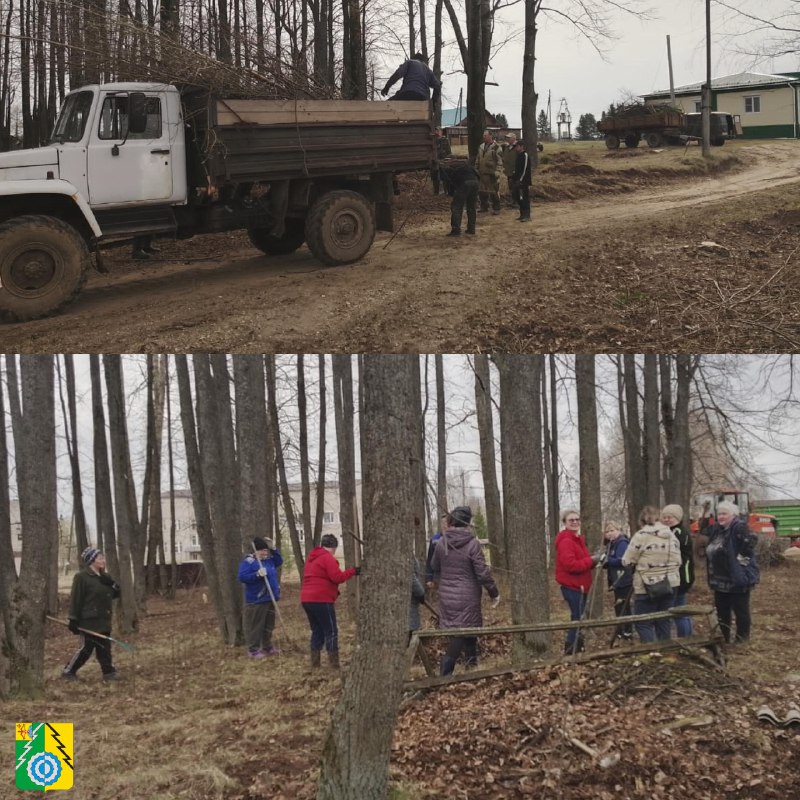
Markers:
{"x": 340, "y": 227}
{"x": 612, "y": 142}
{"x": 632, "y": 139}
{"x": 655, "y": 139}
{"x": 44, "y": 263}
{"x": 293, "y": 237}
{"x": 718, "y": 142}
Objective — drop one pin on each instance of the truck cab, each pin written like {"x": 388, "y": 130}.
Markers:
{"x": 707, "y": 502}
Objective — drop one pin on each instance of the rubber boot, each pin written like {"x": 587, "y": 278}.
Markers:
{"x": 454, "y": 232}
{"x": 447, "y": 666}
{"x": 315, "y": 659}
{"x": 333, "y": 659}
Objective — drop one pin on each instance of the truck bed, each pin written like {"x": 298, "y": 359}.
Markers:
{"x": 641, "y": 122}
{"x": 262, "y": 140}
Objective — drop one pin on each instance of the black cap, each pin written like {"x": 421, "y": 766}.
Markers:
{"x": 329, "y": 540}
{"x": 461, "y": 516}
{"x": 419, "y": 57}
{"x": 260, "y": 544}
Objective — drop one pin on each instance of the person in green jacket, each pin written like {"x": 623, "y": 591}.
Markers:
{"x": 90, "y": 601}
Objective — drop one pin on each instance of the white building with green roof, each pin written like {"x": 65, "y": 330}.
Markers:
{"x": 768, "y": 106}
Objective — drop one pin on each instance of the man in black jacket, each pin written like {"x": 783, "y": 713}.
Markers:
{"x": 521, "y": 182}
{"x": 463, "y": 180}
{"x": 90, "y": 603}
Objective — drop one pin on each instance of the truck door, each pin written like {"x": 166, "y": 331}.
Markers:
{"x": 126, "y": 168}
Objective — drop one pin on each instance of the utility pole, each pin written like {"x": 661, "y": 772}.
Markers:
{"x": 706, "y": 106}
{"x": 671, "y": 79}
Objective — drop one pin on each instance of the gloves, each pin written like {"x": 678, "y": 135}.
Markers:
{"x": 598, "y": 558}
{"x": 358, "y": 570}
{"x": 496, "y": 601}
{"x": 73, "y": 626}
{"x": 262, "y": 572}
{"x": 106, "y": 579}
{"x": 270, "y": 544}
{"x": 384, "y": 92}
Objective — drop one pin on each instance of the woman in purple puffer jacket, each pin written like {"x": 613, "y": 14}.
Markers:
{"x": 460, "y": 570}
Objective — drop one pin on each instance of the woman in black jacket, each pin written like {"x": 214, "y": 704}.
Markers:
{"x": 672, "y": 517}
{"x": 732, "y": 570}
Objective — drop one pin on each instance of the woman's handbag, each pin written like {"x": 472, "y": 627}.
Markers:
{"x": 659, "y": 589}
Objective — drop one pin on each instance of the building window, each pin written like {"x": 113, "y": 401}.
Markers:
{"x": 698, "y": 106}
{"x": 328, "y": 518}
{"x": 752, "y": 105}
{"x": 194, "y": 540}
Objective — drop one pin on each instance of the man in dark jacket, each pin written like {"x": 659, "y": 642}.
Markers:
{"x": 418, "y": 79}
{"x": 521, "y": 182}
{"x": 255, "y": 570}
{"x": 463, "y": 180}
{"x": 443, "y": 151}
{"x": 460, "y": 570}
{"x": 90, "y": 605}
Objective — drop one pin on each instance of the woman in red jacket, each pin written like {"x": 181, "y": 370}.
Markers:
{"x": 574, "y": 565}
{"x": 318, "y": 593}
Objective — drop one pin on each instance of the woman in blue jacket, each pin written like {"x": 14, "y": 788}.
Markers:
{"x": 620, "y": 579}
{"x": 259, "y": 612}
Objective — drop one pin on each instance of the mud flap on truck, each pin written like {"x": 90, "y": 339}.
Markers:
{"x": 382, "y": 194}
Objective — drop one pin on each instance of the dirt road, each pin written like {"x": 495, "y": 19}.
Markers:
{"x": 579, "y": 276}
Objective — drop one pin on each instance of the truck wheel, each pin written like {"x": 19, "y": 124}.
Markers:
{"x": 632, "y": 140}
{"x": 655, "y": 139}
{"x": 43, "y": 265}
{"x": 718, "y": 142}
{"x": 612, "y": 142}
{"x": 340, "y": 227}
{"x": 293, "y": 237}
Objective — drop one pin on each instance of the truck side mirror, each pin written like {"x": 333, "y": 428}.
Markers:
{"x": 137, "y": 112}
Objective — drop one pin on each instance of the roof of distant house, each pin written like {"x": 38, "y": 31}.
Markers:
{"x": 741, "y": 80}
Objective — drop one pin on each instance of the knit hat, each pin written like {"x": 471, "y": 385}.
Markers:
{"x": 673, "y": 510}
{"x": 461, "y": 516}
{"x": 260, "y": 544}
{"x": 89, "y": 555}
{"x": 329, "y": 540}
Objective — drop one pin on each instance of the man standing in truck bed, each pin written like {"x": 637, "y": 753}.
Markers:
{"x": 418, "y": 79}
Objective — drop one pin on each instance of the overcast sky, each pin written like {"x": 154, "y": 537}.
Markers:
{"x": 635, "y": 62}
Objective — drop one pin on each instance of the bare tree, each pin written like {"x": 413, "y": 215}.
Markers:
{"x": 33, "y": 425}
{"x": 494, "y": 510}
{"x": 441, "y": 440}
{"x": 355, "y": 757}
{"x": 130, "y": 577}
{"x": 652, "y": 433}
{"x": 523, "y": 497}
{"x": 591, "y": 523}
{"x": 323, "y": 421}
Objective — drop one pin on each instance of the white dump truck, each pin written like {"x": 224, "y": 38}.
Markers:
{"x": 134, "y": 159}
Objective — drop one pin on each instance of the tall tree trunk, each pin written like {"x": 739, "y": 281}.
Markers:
{"x": 33, "y": 425}
{"x": 632, "y": 438}
{"x": 172, "y": 581}
{"x": 553, "y": 490}
{"x": 491, "y": 491}
{"x": 523, "y": 498}
{"x": 71, "y": 429}
{"x": 251, "y": 440}
{"x": 130, "y": 578}
{"x": 652, "y": 439}
{"x": 589, "y": 458}
{"x": 215, "y": 440}
{"x": 228, "y": 625}
{"x": 305, "y": 484}
{"x": 104, "y": 507}
{"x": 8, "y": 570}
{"x": 682, "y": 459}
{"x": 355, "y": 757}
{"x": 529, "y": 96}
{"x": 288, "y": 508}
{"x": 441, "y": 440}
{"x": 668, "y": 426}
{"x": 323, "y": 421}
{"x": 343, "y": 410}
{"x": 155, "y": 540}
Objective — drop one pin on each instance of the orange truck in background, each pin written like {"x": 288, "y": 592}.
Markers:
{"x": 707, "y": 502}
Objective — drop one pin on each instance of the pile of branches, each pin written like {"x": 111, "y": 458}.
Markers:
{"x": 636, "y": 109}
{"x": 122, "y": 48}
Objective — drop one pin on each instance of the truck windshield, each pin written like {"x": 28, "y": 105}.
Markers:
{"x": 72, "y": 120}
